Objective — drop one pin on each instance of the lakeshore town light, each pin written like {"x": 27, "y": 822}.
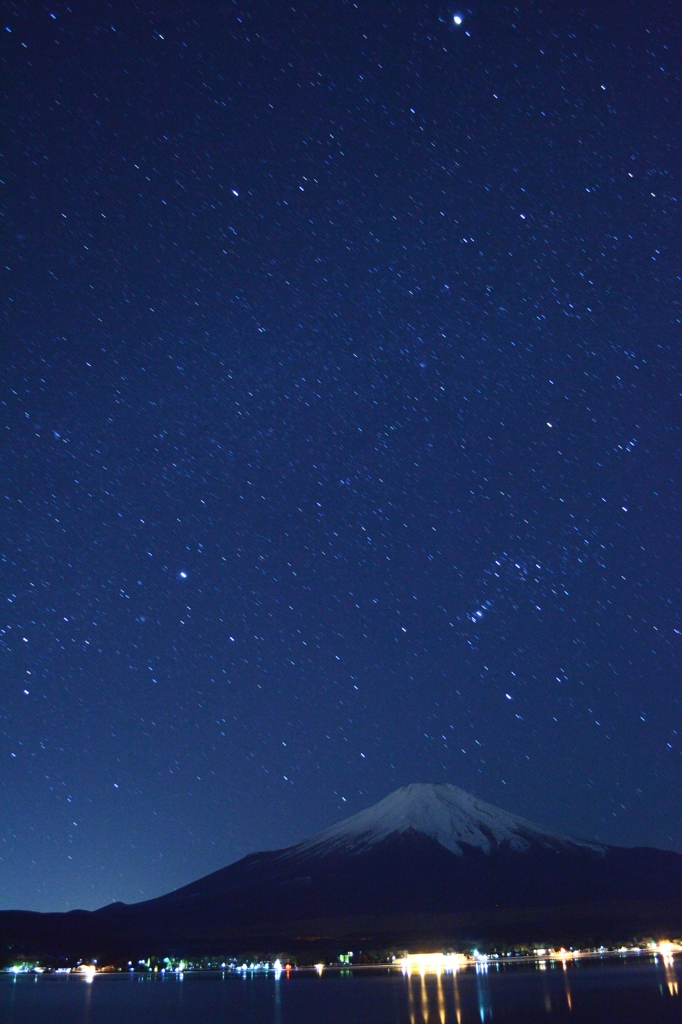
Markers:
{"x": 666, "y": 948}
{"x": 424, "y": 962}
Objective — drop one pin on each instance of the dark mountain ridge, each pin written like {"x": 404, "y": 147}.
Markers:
{"x": 428, "y": 866}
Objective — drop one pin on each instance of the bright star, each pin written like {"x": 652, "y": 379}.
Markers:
{"x": 182, "y": 575}
{"x": 457, "y": 19}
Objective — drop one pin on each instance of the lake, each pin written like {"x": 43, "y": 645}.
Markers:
{"x": 608, "y": 991}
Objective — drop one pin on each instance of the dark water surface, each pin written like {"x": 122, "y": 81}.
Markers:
{"x": 644, "y": 991}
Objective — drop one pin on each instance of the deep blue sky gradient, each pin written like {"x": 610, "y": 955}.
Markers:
{"x": 341, "y": 426}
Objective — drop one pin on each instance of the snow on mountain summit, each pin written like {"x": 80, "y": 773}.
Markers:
{"x": 445, "y": 813}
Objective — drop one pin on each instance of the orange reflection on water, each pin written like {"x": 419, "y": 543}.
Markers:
{"x": 458, "y": 1003}
{"x": 410, "y": 999}
{"x": 424, "y": 998}
{"x": 427, "y": 998}
{"x": 671, "y": 975}
{"x": 441, "y": 998}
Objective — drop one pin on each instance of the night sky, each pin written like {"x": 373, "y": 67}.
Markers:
{"x": 341, "y": 419}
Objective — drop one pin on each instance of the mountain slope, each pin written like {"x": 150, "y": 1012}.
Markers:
{"x": 426, "y": 865}
{"x": 448, "y": 815}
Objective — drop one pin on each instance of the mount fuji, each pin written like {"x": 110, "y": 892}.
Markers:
{"x": 429, "y": 865}
{"x": 449, "y": 816}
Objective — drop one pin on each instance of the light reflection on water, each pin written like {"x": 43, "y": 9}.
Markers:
{"x": 554, "y": 990}
{"x": 433, "y": 993}
{"x": 567, "y": 988}
{"x": 670, "y": 975}
{"x": 433, "y": 997}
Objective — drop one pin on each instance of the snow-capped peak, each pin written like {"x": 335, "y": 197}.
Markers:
{"x": 451, "y": 816}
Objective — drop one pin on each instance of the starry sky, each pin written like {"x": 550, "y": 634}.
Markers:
{"x": 340, "y": 426}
